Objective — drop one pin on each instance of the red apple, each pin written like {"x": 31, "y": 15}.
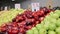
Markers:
{"x": 15, "y": 30}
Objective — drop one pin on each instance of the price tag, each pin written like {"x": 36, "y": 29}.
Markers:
{"x": 35, "y": 6}
{"x": 5, "y": 8}
{"x": 17, "y": 6}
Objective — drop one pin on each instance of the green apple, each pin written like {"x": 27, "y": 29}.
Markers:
{"x": 57, "y": 12}
{"x": 51, "y": 13}
{"x": 55, "y": 16}
{"x": 46, "y": 25}
{"x": 29, "y": 32}
{"x": 52, "y": 26}
{"x": 35, "y": 31}
{"x": 58, "y": 23}
{"x": 58, "y": 30}
{"x": 51, "y": 32}
{"x": 42, "y": 31}
{"x": 39, "y": 26}
{"x": 53, "y": 21}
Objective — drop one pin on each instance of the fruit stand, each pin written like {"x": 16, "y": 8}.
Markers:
{"x": 43, "y": 21}
{"x": 20, "y": 21}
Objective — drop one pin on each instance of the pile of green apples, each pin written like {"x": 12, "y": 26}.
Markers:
{"x": 50, "y": 25}
{"x": 7, "y": 16}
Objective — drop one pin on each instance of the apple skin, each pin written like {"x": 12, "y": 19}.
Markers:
{"x": 35, "y": 31}
{"x": 15, "y": 30}
{"x": 58, "y": 24}
{"x": 29, "y": 32}
{"x": 51, "y": 32}
{"x": 58, "y": 30}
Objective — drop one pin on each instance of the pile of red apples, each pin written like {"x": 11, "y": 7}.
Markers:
{"x": 25, "y": 21}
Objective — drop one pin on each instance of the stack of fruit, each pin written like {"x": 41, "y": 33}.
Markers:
{"x": 25, "y": 21}
{"x": 6, "y": 16}
{"x": 50, "y": 25}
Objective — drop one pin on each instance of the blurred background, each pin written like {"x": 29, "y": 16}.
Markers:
{"x": 27, "y": 3}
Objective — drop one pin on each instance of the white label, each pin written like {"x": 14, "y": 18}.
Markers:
{"x": 35, "y": 6}
{"x": 5, "y": 8}
{"x": 17, "y": 6}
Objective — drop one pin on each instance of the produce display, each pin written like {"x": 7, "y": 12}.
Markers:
{"x": 24, "y": 21}
{"x": 6, "y": 16}
{"x": 43, "y": 21}
{"x": 50, "y": 25}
